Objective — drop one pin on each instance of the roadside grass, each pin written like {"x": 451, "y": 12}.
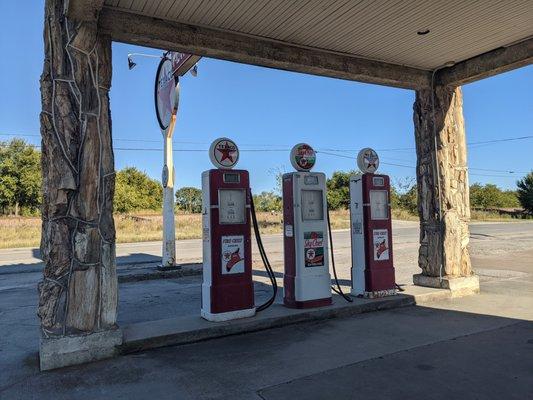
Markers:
{"x": 148, "y": 226}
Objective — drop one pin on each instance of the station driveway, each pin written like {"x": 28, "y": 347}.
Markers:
{"x": 478, "y": 347}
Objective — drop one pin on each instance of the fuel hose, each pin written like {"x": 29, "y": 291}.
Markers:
{"x": 337, "y": 289}
{"x": 266, "y": 263}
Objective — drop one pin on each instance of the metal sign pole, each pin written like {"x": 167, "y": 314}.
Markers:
{"x": 169, "y": 232}
{"x": 166, "y": 96}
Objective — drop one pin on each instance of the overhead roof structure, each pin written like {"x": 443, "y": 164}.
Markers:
{"x": 397, "y": 43}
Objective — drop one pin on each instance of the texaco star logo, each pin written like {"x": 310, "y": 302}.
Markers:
{"x": 368, "y": 160}
{"x": 224, "y": 153}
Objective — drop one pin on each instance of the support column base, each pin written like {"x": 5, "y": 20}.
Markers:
{"x": 63, "y": 351}
{"x": 460, "y": 286}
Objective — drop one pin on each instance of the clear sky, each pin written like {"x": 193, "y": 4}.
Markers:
{"x": 263, "y": 108}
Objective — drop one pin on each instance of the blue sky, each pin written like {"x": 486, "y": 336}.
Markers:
{"x": 263, "y": 108}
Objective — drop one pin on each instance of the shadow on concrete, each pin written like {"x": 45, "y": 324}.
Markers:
{"x": 412, "y": 352}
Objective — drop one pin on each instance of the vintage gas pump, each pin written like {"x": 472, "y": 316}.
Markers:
{"x": 306, "y": 280}
{"x": 227, "y": 288}
{"x": 371, "y": 229}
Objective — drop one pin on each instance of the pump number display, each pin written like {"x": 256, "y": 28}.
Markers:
{"x": 232, "y": 255}
{"x": 314, "y": 249}
{"x": 231, "y": 206}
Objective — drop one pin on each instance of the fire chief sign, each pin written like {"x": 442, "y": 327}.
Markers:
{"x": 232, "y": 254}
{"x": 381, "y": 244}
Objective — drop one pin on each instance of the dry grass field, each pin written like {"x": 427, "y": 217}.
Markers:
{"x": 140, "y": 227}
{"x": 147, "y": 226}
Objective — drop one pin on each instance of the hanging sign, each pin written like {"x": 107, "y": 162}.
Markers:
{"x": 166, "y": 93}
{"x": 303, "y": 157}
{"x": 182, "y": 62}
{"x": 368, "y": 161}
{"x": 224, "y": 153}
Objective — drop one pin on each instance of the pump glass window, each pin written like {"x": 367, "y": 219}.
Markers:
{"x": 231, "y": 206}
{"x": 312, "y": 205}
{"x": 379, "y": 204}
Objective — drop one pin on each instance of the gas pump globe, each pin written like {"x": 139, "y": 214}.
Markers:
{"x": 371, "y": 229}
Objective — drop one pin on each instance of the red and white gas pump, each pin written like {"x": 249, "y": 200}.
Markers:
{"x": 371, "y": 229}
{"x": 306, "y": 281}
{"x": 227, "y": 289}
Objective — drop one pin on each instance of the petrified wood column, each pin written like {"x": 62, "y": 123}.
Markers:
{"x": 78, "y": 293}
{"x": 442, "y": 185}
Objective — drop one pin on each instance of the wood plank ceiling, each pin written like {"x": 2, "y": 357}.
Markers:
{"x": 384, "y": 30}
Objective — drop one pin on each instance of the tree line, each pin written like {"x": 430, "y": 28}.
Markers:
{"x": 20, "y": 189}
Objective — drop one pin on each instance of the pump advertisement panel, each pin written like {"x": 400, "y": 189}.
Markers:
{"x": 232, "y": 254}
{"x": 314, "y": 249}
{"x": 381, "y": 244}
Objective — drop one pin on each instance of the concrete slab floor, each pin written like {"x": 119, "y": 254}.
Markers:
{"x": 240, "y": 366}
{"x": 418, "y": 339}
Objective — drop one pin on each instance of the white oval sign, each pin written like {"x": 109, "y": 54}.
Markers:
{"x": 368, "y": 160}
{"x": 166, "y": 93}
{"x": 224, "y": 153}
{"x": 303, "y": 157}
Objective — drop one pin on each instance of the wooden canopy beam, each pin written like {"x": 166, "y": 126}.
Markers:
{"x": 488, "y": 64}
{"x": 153, "y": 32}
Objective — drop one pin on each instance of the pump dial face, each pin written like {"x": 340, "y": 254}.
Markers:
{"x": 303, "y": 157}
{"x": 368, "y": 160}
{"x": 224, "y": 153}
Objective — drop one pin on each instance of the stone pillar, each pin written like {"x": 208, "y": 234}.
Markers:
{"x": 443, "y": 190}
{"x": 78, "y": 293}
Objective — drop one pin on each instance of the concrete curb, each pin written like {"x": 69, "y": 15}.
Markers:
{"x": 190, "y": 329}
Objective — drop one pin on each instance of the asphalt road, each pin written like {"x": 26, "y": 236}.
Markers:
{"x": 406, "y": 236}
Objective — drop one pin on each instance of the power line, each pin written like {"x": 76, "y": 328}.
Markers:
{"x": 324, "y": 149}
{"x": 329, "y": 152}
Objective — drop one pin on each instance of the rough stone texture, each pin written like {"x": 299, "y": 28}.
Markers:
{"x": 443, "y": 240}
{"x": 58, "y": 352}
{"x": 78, "y": 293}
{"x": 458, "y": 287}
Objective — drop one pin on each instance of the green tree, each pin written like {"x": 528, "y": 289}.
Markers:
{"x": 525, "y": 192}
{"x": 267, "y": 201}
{"x": 404, "y": 195}
{"x": 20, "y": 177}
{"x": 409, "y": 200}
{"x": 491, "y": 196}
{"x": 135, "y": 190}
{"x": 189, "y": 199}
{"x": 339, "y": 190}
